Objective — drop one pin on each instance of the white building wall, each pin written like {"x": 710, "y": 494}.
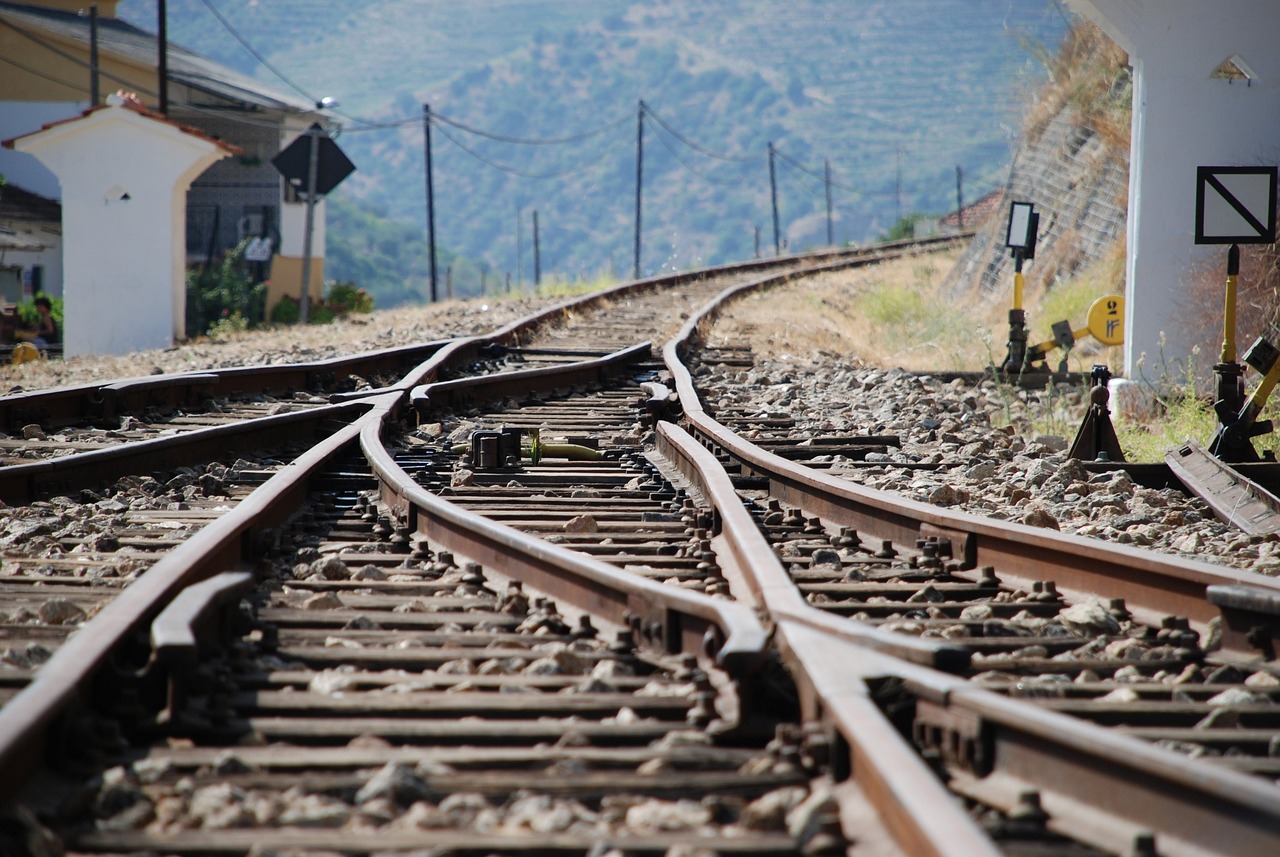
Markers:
{"x": 1185, "y": 118}
{"x": 23, "y": 117}
{"x": 124, "y": 178}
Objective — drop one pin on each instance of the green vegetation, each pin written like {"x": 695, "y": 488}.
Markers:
{"x": 904, "y": 229}
{"x": 224, "y": 295}
{"x": 29, "y": 316}
{"x": 880, "y": 87}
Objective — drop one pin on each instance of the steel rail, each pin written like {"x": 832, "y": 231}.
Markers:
{"x": 110, "y": 399}
{"x": 743, "y": 549}
{"x": 1153, "y": 586}
{"x": 225, "y": 544}
{"x": 107, "y": 400}
{"x": 23, "y": 483}
{"x": 1098, "y": 786}
{"x": 923, "y": 816}
{"x": 1235, "y": 498}
{"x": 522, "y": 381}
{"x": 663, "y": 617}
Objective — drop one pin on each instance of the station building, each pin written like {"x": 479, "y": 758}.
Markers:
{"x": 47, "y": 77}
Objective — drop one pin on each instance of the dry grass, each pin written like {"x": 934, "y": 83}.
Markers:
{"x": 897, "y": 314}
{"x": 1090, "y": 76}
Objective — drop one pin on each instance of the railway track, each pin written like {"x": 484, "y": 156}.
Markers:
{"x": 433, "y": 633}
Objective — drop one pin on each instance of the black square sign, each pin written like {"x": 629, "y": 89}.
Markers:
{"x": 1235, "y": 205}
{"x": 332, "y": 165}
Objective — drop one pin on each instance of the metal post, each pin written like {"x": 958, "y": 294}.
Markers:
{"x": 831, "y": 231}
{"x": 94, "y": 92}
{"x": 773, "y": 196}
{"x": 639, "y": 182}
{"x": 537, "y": 253}
{"x": 897, "y": 187}
{"x": 162, "y": 61}
{"x": 313, "y": 167}
{"x": 431, "y": 198}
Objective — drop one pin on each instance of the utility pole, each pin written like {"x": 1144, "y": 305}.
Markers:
{"x": 831, "y": 231}
{"x": 537, "y": 254}
{"x": 519, "y": 249}
{"x": 162, "y": 60}
{"x": 960, "y": 195}
{"x": 94, "y": 92}
{"x": 431, "y": 197}
{"x": 773, "y": 196}
{"x": 897, "y": 186}
{"x": 313, "y": 167}
{"x": 639, "y": 182}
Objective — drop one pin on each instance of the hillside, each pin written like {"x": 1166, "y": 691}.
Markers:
{"x": 895, "y": 93}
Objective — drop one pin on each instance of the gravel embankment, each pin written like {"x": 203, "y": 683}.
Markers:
{"x": 1000, "y": 472}
{"x": 379, "y": 329}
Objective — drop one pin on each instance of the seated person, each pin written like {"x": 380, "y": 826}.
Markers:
{"x": 47, "y": 332}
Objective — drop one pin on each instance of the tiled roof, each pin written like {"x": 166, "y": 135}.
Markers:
{"x": 129, "y": 101}
{"x": 19, "y": 204}
{"x": 186, "y": 67}
{"x": 976, "y": 213}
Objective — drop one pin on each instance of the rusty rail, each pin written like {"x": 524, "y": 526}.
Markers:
{"x": 224, "y": 544}
{"x": 1235, "y": 498}
{"x": 1153, "y": 586}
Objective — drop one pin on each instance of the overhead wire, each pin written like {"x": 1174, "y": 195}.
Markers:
{"x": 667, "y": 145}
{"x": 512, "y": 170}
{"x": 226, "y": 25}
{"x": 66, "y": 55}
{"x": 652, "y": 114}
{"x": 132, "y": 85}
{"x": 76, "y": 87}
{"x": 528, "y": 141}
{"x": 801, "y": 179}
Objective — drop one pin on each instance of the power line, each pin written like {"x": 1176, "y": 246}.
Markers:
{"x": 649, "y": 111}
{"x": 526, "y": 141}
{"x": 151, "y": 93}
{"x": 66, "y": 56}
{"x": 208, "y": 4}
{"x": 801, "y": 178}
{"x": 512, "y": 170}
{"x": 675, "y": 154}
{"x": 77, "y": 87}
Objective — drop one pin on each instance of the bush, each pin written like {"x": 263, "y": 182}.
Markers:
{"x": 286, "y": 311}
{"x": 214, "y": 294}
{"x": 346, "y": 298}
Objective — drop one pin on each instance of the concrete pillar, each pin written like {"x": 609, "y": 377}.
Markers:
{"x": 124, "y": 173}
{"x": 1185, "y": 117}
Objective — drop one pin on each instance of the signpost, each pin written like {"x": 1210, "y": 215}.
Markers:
{"x": 313, "y": 165}
{"x": 1235, "y": 205}
{"x": 1020, "y": 238}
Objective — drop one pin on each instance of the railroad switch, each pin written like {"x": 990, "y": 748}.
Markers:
{"x": 1233, "y": 439}
{"x": 1096, "y": 438}
{"x": 496, "y": 450}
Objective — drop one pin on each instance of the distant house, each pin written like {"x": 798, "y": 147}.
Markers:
{"x": 30, "y": 243}
{"x": 46, "y": 76}
{"x": 971, "y": 216}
